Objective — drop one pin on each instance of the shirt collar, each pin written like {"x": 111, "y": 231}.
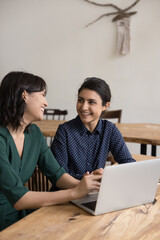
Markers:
{"x": 83, "y": 129}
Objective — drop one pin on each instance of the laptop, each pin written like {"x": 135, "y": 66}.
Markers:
{"x": 123, "y": 186}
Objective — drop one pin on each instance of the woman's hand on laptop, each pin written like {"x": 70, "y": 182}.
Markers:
{"x": 88, "y": 183}
{"x": 98, "y": 171}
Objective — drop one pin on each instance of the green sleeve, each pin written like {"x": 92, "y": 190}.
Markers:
{"x": 10, "y": 183}
{"x": 48, "y": 164}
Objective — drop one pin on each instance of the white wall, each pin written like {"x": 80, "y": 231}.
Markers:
{"x": 49, "y": 38}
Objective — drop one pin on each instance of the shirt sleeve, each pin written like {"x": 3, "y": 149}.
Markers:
{"x": 48, "y": 164}
{"x": 59, "y": 148}
{"x": 119, "y": 148}
{"x": 10, "y": 183}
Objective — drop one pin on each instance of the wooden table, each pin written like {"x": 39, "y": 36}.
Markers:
{"x": 68, "y": 222}
{"x": 143, "y": 133}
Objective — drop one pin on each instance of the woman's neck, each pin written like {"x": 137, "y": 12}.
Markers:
{"x": 18, "y": 138}
{"x": 18, "y": 131}
{"x": 91, "y": 126}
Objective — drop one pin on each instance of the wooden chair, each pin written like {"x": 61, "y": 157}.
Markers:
{"x": 113, "y": 114}
{"x": 38, "y": 182}
{"x": 50, "y": 113}
{"x": 55, "y": 113}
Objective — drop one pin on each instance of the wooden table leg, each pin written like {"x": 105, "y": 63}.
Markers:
{"x": 153, "y": 150}
{"x": 144, "y": 149}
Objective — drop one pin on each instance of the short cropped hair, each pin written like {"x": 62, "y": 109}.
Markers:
{"x": 99, "y": 86}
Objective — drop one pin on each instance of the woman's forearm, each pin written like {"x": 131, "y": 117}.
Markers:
{"x": 67, "y": 181}
{"x": 78, "y": 189}
{"x": 33, "y": 200}
{"x": 38, "y": 199}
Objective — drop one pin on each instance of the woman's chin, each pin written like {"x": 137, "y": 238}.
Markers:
{"x": 85, "y": 119}
{"x": 38, "y": 119}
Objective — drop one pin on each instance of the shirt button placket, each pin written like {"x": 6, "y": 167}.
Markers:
{"x": 89, "y": 153}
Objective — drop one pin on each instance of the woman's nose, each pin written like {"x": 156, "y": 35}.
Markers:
{"x": 84, "y": 105}
{"x": 46, "y": 103}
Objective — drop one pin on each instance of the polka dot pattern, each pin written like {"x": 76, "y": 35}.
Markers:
{"x": 78, "y": 150}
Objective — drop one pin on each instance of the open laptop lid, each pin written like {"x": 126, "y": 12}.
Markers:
{"x": 126, "y": 185}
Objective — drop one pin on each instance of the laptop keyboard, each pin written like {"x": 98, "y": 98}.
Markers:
{"x": 90, "y": 205}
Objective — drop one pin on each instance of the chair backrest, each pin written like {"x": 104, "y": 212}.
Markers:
{"x": 113, "y": 114}
{"x": 55, "y": 113}
{"x": 38, "y": 182}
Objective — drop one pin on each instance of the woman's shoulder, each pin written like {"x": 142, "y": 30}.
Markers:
{"x": 3, "y": 130}
{"x": 70, "y": 127}
{"x": 3, "y": 134}
{"x": 109, "y": 126}
{"x": 107, "y": 123}
{"x": 69, "y": 124}
{"x": 34, "y": 129}
{"x": 114, "y": 131}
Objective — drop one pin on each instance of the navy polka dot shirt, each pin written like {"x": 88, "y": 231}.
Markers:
{"x": 78, "y": 150}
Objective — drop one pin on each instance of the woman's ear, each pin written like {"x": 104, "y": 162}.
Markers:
{"x": 107, "y": 105}
{"x": 24, "y": 95}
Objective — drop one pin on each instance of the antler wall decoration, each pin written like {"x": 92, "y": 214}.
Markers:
{"x": 122, "y": 20}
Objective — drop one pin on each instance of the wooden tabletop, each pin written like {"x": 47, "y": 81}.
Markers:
{"x": 49, "y": 127}
{"x": 144, "y": 133}
{"x": 68, "y": 222}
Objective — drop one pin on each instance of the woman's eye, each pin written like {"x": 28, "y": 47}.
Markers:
{"x": 92, "y": 102}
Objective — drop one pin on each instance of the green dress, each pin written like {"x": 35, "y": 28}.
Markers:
{"x": 15, "y": 171}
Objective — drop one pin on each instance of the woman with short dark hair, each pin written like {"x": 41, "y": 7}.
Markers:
{"x": 82, "y": 144}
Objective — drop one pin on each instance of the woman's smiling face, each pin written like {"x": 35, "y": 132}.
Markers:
{"x": 35, "y": 104}
{"x": 89, "y": 108}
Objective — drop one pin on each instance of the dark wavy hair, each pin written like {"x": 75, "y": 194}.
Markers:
{"x": 12, "y": 105}
{"x": 99, "y": 86}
